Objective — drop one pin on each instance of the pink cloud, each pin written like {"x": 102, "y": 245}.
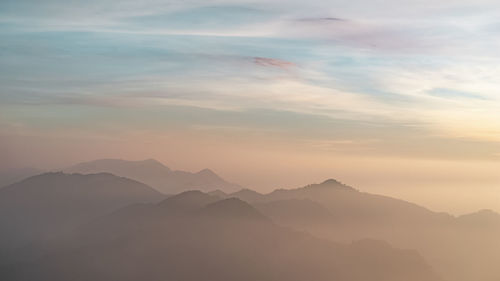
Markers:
{"x": 270, "y": 62}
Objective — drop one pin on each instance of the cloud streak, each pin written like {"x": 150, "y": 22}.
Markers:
{"x": 432, "y": 65}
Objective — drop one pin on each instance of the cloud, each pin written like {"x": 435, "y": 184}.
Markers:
{"x": 270, "y": 62}
{"x": 419, "y": 62}
{"x": 321, "y": 20}
{"x": 452, "y": 93}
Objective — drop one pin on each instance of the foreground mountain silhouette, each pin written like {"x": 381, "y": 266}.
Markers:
{"x": 195, "y": 236}
{"x": 157, "y": 175}
{"x": 45, "y": 206}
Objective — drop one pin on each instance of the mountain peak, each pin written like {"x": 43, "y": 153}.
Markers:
{"x": 74, "y": 179}
{"x": 207, "y": 172}
{"x": 484, "y": 216}
{"x": 330, "y": 181}
{"x": 329, "y": 184}
{"x": 247, "y": 191}
{"x": 248, "y": 195}
{"x": 488, "y": 212}
{"x": 188, "y": 200}
{"x": 219, "y": 193}
{"x": 232, "y": 208}
{"x": 151, "y": 161}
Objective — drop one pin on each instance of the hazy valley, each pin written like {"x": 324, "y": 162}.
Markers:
{"x": 100, "y": 224}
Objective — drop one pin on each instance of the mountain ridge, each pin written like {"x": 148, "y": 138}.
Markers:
{"x": 157, "y": 175}
{"x": 205, "y": 245}
{"x": 47, "y": 205}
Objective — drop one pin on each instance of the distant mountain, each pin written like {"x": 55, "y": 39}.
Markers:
{"x": 346, "y": 203}
{"x": 48, "y": 205}
{"x": 232, "y": 208}
{"x": 298, "y": 213}
{"x": 338, "y": 212}
{"x": 11, "y": 176}
{"x": 187, "y": 201}
{"x": 178, "y": 239}
{"x": 218, "y": 193}
{"x": 482, "y": 218}
{"x": 157, "y": 175}
{"x": 248, "y": 195}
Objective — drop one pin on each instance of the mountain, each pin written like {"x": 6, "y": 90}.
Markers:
{"x": 157, "y": 175}
{"x": 11, "y": 176}
{"x": 179, "y": 239}
{"x": 218, "y": 193}
{"x": 461, "y": 249}
{"x": 482, "y": 218}
{"x": 346, "y": 202}
{"x": 232, "y": 208}
{"x": 187, "y": 200}
{"x": 298, "y": 213}
{"x": 48, "y": 205}
{"x": 248, "y": 195}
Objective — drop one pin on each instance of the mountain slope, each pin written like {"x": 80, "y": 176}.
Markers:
{"x": 156, "y": 175}
{"x": 347, "y": 203}
{"x": 223, "y": 240}
{"x": 463, "y": 248}
{"x": 483, "y": 218}
{"x": 298, "y": 213}
{"x": 45, "y": 206}
{"x": 11, "y": 176}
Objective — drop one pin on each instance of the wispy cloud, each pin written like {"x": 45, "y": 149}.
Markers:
{"x": 427, "y": 63}
{"x": 270, "y": 62}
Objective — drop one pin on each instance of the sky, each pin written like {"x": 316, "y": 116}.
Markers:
{"x": 393, "y": 97}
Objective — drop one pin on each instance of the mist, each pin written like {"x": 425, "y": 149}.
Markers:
{"x": 249, "y": 140}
